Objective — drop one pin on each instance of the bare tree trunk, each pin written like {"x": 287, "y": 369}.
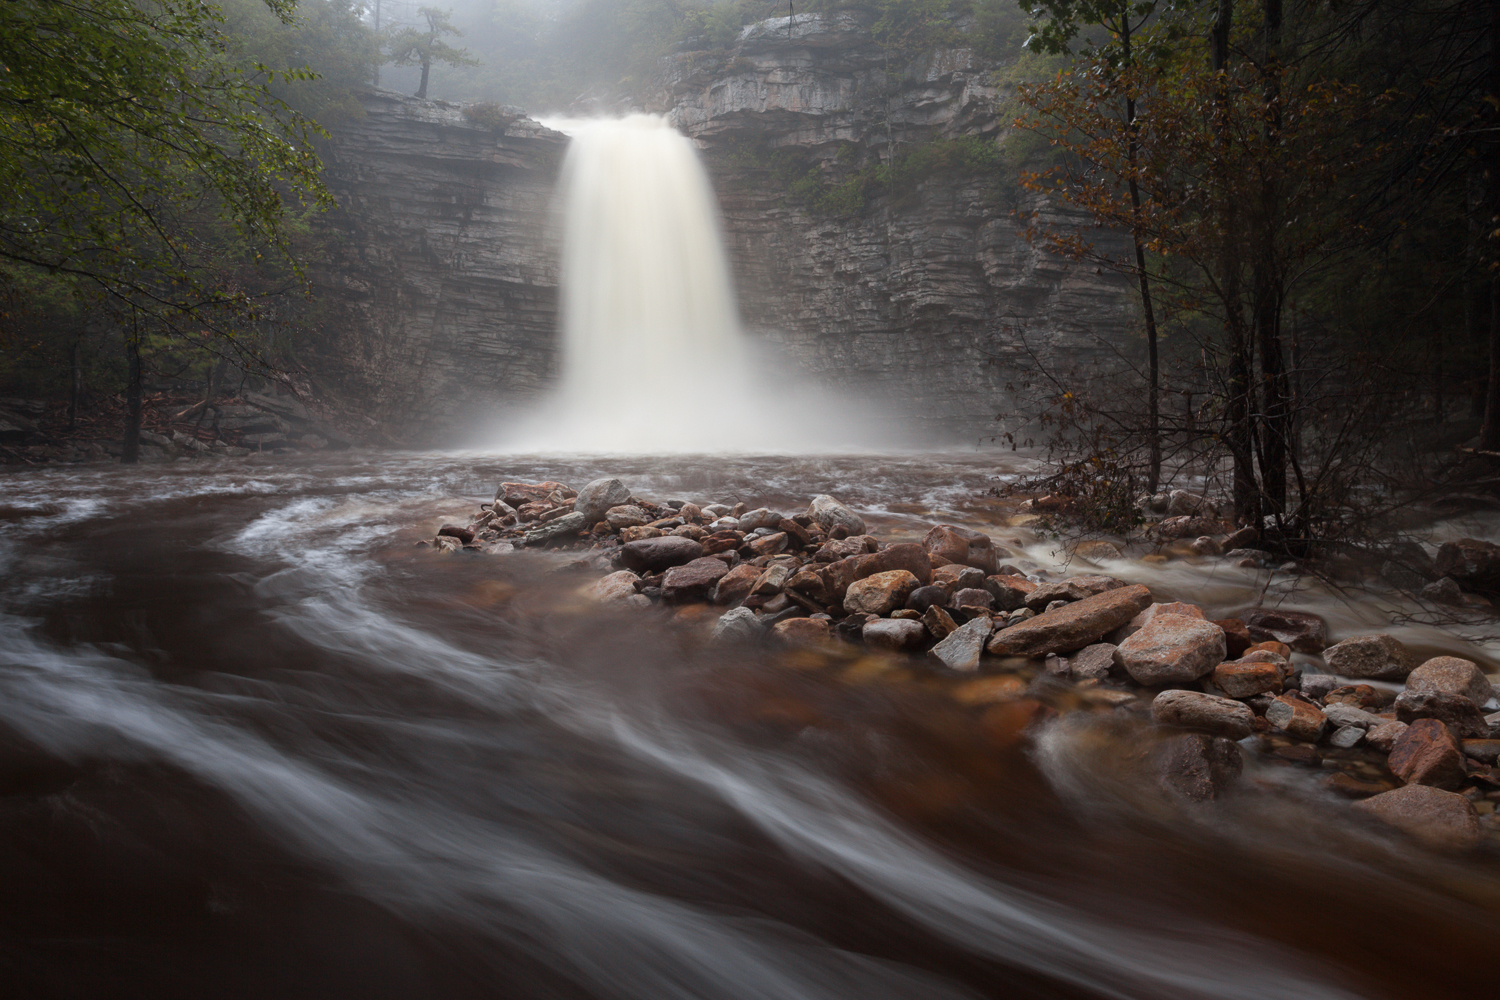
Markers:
{"x": 422, "y": 87}
{"x": 75, "y": 382}
{"x": 132, "y": 450}
{"x": 1489, "y": 431}
{"x": 1153, "y": 366}
{"x": 1267, "y": 291}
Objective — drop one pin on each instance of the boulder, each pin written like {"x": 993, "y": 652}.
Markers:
{"x": 1439, "y": 819}
{"x": 1381, "y": 657}
{"x": 940, "y": 625}
{"x": 1236, "y": 635}
{"x": 569, "y": 525}
{"x": 1172, "y": 649}
{"x": 692, "y": 581}
{"x": 1358, "y": 695}
{"x": 614, "y": 587}
{"x": 1342, "y": 714}
{"x": 1428, "y": 754}
{"x": 625, "y": 516}
{"x": 1246, "y": 680}
{"x": 1474, "y": 564}
{"x": 1297, "y": 717}
{"x": 962, "y": 648}
{"x": 1009, "y": 591}
{"x": 637, "y": 532}
{"x": 652, "y": 555}
{"x": 768, "y": 545}
{"x": 739, "y": 625}
{"x": 1197, "y": 766}
{"x": 973, "y": 597}
{"x": 1071, "y": 626}
{"x": 827, "y": 513}
{"x": 1454, "y": 710}
{"x": 1451, "y": 675}
{"x": 1092, "y": 662}
{"x": 518, "y": 494}
{"x": 961, "y": 545}
{"x": 926, "y": 597}
{"x": 1044, "y": 594}
{"x": 895, "y": 634}
{"x": 595, "y": 499}
{"x": 905, "y": 555}
{"x": 722, "y": 541}
{"x": 1196, "y": 710}
{"x": 1303, "y": 632}
{"x": 760, "y": 517}
{"x": 803, "y": 631}
{"x": 1384, "y": 736}
{"x": 735, "y": 585}
{"x": 880, "y": 594}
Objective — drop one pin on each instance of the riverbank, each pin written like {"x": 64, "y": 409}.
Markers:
{"x": 1412, "y": 741}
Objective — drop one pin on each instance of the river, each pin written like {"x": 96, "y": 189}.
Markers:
{"x": 254, "y": 743}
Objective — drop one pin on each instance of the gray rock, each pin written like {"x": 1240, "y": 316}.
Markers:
{"x": 760, "y": 517}
{"x": 1443, "y": 591}
{"x": 1197, "y": 766}
{"x": 649, "y": 555}
{"x": 1345, "y": 715}
{"x": 1345, "y": 737}
{"x": 625, "y": 516}
{"x": 739, "y": 625}
{"x": 1440, "y": 819}
{"x": 963, "y": 647}
{"x": 1454, "y": 710}
{"x": 595, "y": 499}
{"x": 1452, "y": 675}
{"x": 561, "y": 527}
{"x": 1172, "y": 649}
{"x": 896, "y": 634}
{"x": 827, "y": 512}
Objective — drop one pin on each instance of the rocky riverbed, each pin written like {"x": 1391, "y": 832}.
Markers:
{"x": 1412, "y": 742}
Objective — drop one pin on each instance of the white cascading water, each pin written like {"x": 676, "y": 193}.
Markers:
{"x": 654, "y": 356}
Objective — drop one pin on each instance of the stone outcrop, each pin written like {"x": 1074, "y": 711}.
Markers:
{"x": 925, "y": 294}
{"x": 439, "y": 297}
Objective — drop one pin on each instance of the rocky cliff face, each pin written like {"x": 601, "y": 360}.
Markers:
{"x": 923, "y": 289}
{"x": 442, "y": 288}
{"x": 916, "y": 287}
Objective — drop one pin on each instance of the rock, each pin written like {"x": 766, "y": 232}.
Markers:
{"x": 1245, "y": 680}
{"x": 1484, "y": 751}
{"x": 692, "y": 581}
{"x": 1171, "y": 649}
{"x": 1009, "y": 591}
{"x": 1241, "y": 539}
{"x": 1358, "y": 695}
{"x": 735, "y": 585}
{"x": 972, "y": 597}
{"x": 1044, "y": 594}
{"x": 961, "y": 545}
{"x": 904, "y": 555}
{"x": 1070, "y": 627}
{"x": 1197, "y": 766}
{"x": 650, "y": 555}
{"x": 1196, "y": 710}
{"x": 772, "y": 580}
{"x": 1474, "y": 564}
{"x": 895, "y": 634}
{"x": 768, "y": 545}
{"x": 1381, "y": 657}
{"x": 721, "y": 541}
{"x": 1092, "y": 662}
{"x": 1303, "y": 632}
{"x": 464, "y": 535}
{"x": 803, "y": 631}
{"x": 595, "y": 499}
{"x": 1444, "y": 591}
{"x": 1345, "y": 737}
{"x": 1341, "y": 714}
{"x": 1190, "y": 526}
{"x": 940, "y": 624}
{"x": 880, "y": 594}
{"x": 760, "y": 517}
{"x": 614, "y": 587}
{"x": 1454, "y": 710}
{"x": 739, "y": 625}
{"x": 926, "y": 597}
{"x": 625, "y": 516}
{"x": 1297, "y": 717}
{"x": 638, "y": 532}
{"x": 1452, "y": 675}
{"x": 569, "y": 525}
{"x": 1384, "y": 736}
{"x": 827, "y": 513}
{"x": 1236, "y": 636}
{"x": 1439, "y": 819}
{"x": 1174, "y": 608}
{"x": 955, "y": 576}
{"x": 962, "y": 648}
{"x": 1097, "y": 550}
{"x": 1428, "y": 754}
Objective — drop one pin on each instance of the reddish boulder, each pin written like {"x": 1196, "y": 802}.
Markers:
{"x": 693, "y": 580}
{"x": 1473, "y": 563}
{"x": 1071, "y": 626}
{"x": 1427, "y": 754}
{"x": 1439, "y": 819}
{"x": 1303, "y": 632}
{"x": 880, "y": 594}
{"x": 961, "y": 545}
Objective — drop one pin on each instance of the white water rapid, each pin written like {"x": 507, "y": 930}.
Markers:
{"x": 654, "y": 358}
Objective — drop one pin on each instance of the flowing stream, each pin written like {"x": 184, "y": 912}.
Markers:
{"x": 253, "y": 743}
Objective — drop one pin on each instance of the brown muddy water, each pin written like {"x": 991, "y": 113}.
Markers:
{"x": 254, "y": 744}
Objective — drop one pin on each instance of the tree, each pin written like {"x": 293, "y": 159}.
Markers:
{"x": 138, "y": 163}
{"x": 409, "y": 45}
